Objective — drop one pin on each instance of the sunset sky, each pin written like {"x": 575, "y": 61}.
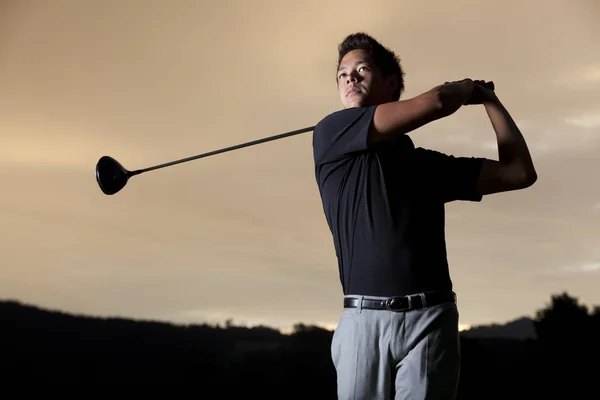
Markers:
{"x": 242, "y": 235}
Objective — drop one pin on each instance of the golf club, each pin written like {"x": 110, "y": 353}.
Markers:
{"x": 112, "y": 176}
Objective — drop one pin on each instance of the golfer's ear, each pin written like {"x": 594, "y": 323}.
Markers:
{"x": 392, "y": 82}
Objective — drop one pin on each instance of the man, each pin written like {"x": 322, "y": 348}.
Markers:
{"x": 384, "y": 203}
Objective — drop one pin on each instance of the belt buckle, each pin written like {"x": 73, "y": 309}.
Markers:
{"x": 389, "y": 304}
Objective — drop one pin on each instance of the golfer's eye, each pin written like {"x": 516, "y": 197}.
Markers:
{"x": 342, "y": 75}
{"x": 363, "y": 68}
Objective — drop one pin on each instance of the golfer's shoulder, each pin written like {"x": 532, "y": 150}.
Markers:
{"x": 344, "y": 119}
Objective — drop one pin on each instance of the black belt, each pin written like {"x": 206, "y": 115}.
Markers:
{"x": 402, "y": 303}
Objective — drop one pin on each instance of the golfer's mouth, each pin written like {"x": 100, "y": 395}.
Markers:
{"x": 352, "y": 91}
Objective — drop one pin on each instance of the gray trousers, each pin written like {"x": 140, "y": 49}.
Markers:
{"x": 412, "y": 355}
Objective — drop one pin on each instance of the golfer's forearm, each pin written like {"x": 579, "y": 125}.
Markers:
{"x": 398, "y": 118}
{"x": 512, "y": 148}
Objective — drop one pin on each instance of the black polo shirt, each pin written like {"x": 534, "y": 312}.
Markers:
{"x": 385, "y": 205}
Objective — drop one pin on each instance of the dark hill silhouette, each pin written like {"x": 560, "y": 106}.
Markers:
{"x": 48, "y": 348}
{"x": 520, "y": 329}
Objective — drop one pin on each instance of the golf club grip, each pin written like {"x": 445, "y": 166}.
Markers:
{"x": 489, "y": 85}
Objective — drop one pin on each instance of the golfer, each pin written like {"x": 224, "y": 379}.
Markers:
{"x": 383, "y": 200}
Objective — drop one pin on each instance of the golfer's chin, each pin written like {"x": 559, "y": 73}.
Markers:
{"x": 355, "y": 100}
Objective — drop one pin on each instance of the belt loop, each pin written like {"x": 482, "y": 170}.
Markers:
{"x": 360, "y": 301}
{"x": 423, "y": 300}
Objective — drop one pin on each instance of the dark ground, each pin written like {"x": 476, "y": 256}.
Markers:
{"x": 48, "y": 349}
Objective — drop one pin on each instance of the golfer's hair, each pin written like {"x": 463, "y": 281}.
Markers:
{"x": 384, "y": 58}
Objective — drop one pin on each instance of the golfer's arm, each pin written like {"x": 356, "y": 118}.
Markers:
{"x": 514, "y": 169}
{"x": 394, "y": 119}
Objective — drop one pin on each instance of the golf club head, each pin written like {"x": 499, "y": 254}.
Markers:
{"x": 111, "y": 175}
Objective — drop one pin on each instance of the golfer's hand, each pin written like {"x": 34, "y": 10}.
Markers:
{"x": 464, "y": 87}
{"x": 454, "y": 95}
{"x": 481, "y": 93}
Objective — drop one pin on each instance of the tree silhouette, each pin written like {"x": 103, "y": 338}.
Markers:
{"x": 563, "y": 319}
{"x": 568, "y": 347}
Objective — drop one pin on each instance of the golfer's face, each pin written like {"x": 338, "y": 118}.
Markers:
{"x": 358, "y": 79}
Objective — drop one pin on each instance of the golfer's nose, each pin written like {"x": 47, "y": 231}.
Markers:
{"x": 352, "y": 77}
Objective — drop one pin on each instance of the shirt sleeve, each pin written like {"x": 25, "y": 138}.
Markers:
{"x": 447, "y": 177}
{"x": 342, "y": 134}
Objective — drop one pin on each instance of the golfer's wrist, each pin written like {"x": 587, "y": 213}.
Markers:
{"x": 491, "y": 100}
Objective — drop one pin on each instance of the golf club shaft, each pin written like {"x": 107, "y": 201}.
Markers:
{"x": 210, "y": 153}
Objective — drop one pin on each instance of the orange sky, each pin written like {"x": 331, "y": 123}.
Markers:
{"x": 242, "y": 235}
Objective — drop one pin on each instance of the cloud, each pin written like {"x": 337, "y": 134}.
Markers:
{"x": 580, "y": 76}
{"x": 473, "y": 135}
{"x": 567, "y": 134}
{"x": 592, "y": 73}
{"x": 575, "y": 269}
{"x": 590, "y": 267}
{"x": 587, "y": 121}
